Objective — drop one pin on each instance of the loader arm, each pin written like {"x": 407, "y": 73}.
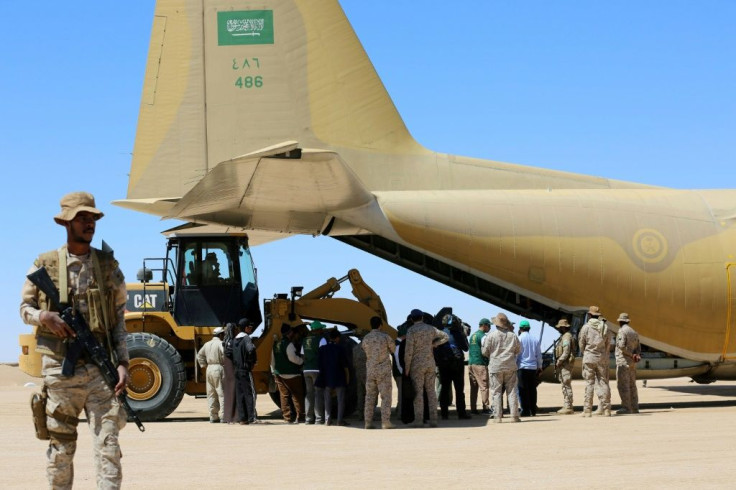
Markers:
{"x": 319, "y": 304}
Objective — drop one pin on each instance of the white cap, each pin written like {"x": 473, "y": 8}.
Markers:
{"x": 218, "y": 331}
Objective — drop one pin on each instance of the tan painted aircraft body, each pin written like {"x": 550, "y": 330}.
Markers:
{"x": 274, "y": 120}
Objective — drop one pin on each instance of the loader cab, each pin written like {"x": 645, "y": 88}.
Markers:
{"x": 215, "y": 280}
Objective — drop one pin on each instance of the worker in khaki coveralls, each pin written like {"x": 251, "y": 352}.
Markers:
{"x": 378, "y": 348}
{"x": 90, "y": 280}
{"x": 211, "y": 357}
{"x": 501, "y": 348}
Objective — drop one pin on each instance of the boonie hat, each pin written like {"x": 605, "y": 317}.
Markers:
{"x": 501, "y": 320}
{"x": 623, "y": 317}
{"x": 316, "y": 325}
{"x": 484, "y": 321}
{"x": 75, "y": 202}
{"x": 594, "y": 311}
{"x": 563, "y": 323}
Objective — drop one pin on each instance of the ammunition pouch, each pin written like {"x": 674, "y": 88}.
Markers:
{"x": 40, "y": 417}
{"x": 95, "y": 314}
{"x": 38, "y": 411}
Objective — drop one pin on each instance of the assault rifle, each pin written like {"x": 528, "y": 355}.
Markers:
{"x": 84, "y": 340}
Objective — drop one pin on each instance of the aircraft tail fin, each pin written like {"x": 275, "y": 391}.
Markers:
{"x": 227, "y": 77}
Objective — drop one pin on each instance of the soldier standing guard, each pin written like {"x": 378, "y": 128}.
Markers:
{"x": 628, "y": 353}
{"x": 420, "y": 367}
{"x": 90, "y": 280}
{"x": 378, "y": 348}
{"x": 595, "y": 342}
{"x": 211, "y": 357}
{"x": 564, "y": 361}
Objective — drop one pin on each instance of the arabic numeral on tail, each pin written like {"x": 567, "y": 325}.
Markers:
{"x": 249, "y": 82}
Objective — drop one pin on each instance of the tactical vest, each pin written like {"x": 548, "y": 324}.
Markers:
{"x": 282, "y": 363}
{"x": 573, "y": 347}
{"x": 475, "y": 358}
{"x": 311, "y": 350}
{"x": 100, "y": 301}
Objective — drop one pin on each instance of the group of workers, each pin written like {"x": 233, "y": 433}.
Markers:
{"x": 427, "y": 363}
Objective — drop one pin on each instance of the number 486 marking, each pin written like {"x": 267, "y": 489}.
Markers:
{"x": 249, "y": 82}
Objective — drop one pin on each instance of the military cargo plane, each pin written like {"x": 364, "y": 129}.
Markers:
{"x": 269, "y": 116}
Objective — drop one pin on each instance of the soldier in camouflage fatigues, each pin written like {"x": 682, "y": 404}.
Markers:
{"x": 420, "y": 366}
{"x": 90, "y": 280}
{"x": 564, "y": 361}
{"x": 501, "y": 348}
{"x": 628, "y": 353}
{"x": 378, "y": 348}
{"x": 595, "y": 342}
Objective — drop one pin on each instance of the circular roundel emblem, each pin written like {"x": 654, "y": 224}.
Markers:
{"x": 650, "y": 245}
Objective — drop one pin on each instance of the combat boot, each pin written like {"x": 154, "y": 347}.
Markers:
{"x": 516, "y": 419}
{"x": 387, "y": 425}
{"x": 369, "y": 425}
{"x": 565, "y": 411}
{"x": 599, "y": 410}
{"x": 607, "y": 412}
{"x": 587, "y": 413}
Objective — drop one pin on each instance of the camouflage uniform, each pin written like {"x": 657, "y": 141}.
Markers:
{"x": 86, "y": 389}
{"x": 378, "y": 348}
{"x": 211, "y": 357}
{"x": 594, "y": 341}
{"x": 627, "y": 345}
{"x": 501, "y": 348}
{"x": 565, "y": 359}
{"x": 419, "y": 361}
{"x": 359, "y": 366}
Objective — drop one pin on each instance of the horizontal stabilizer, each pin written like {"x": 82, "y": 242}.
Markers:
{"x": 296, "y": 192}
{"x": 255, "y": 237}
{"x": 159, "y": 206}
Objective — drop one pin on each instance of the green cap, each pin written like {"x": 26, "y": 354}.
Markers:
{"x": 524, "y": 324}
{"x": 484, "y": 321}
{"x": 316, "y": 325}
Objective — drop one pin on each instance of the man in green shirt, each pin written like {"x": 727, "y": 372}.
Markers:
{"x": 478, "y": 369}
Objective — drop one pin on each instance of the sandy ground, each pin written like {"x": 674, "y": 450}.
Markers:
{"x": 684, "y": 437}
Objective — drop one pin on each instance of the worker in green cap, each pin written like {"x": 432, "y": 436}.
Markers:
{"x": 478, "y": 368}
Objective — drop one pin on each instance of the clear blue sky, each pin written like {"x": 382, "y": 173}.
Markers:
{"x": 632, "y": 90}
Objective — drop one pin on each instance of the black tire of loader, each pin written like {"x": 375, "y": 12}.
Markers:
{"x": 165, "y": 357}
